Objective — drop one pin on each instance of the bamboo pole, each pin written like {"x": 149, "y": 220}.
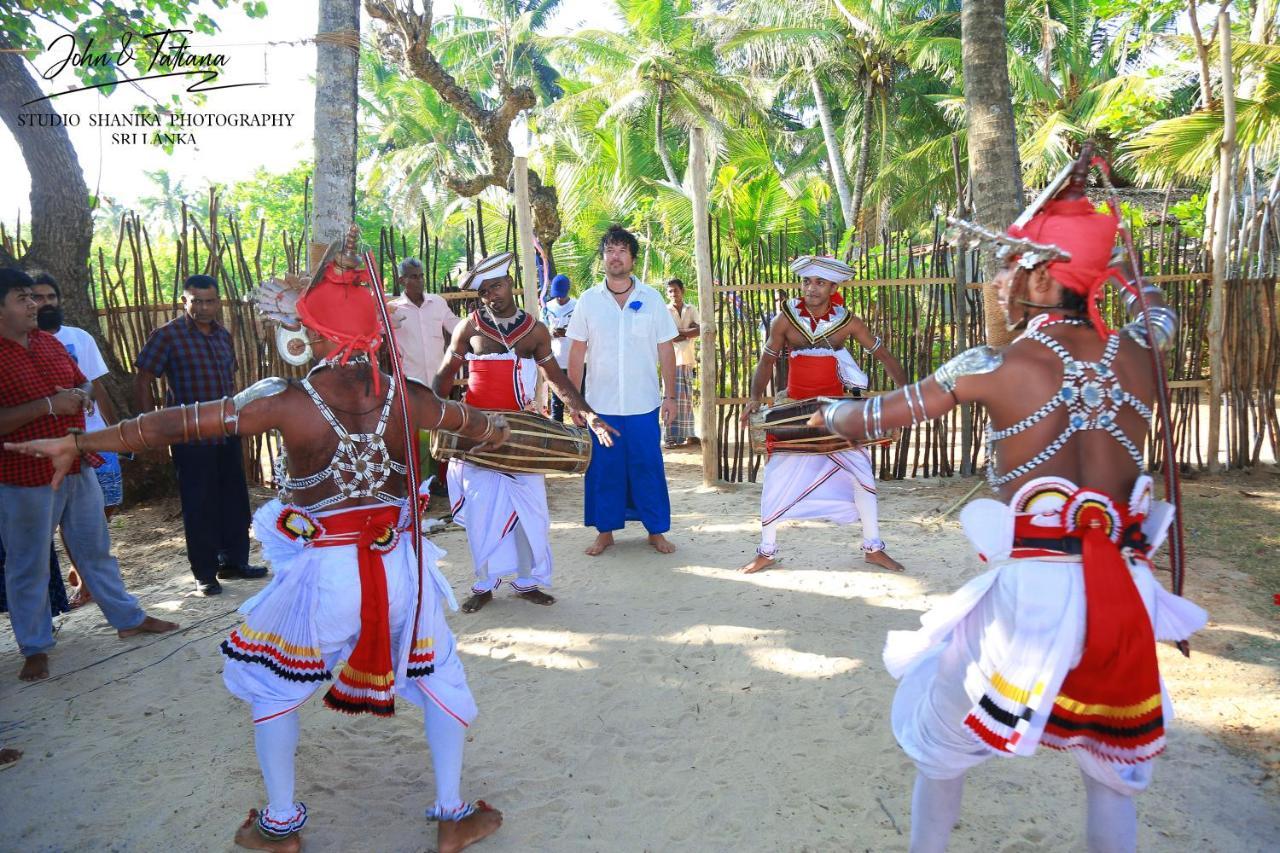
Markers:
{"x": 1221, "y": 237}
{"x": 524, "y": 236}
{"x": 706, "y": 302}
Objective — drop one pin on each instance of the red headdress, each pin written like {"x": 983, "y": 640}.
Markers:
{"x": 1076, "y": 227}
{"x": 342, "y": 305}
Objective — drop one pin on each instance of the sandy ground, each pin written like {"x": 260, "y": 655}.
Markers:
{"x": 665, "y": 703}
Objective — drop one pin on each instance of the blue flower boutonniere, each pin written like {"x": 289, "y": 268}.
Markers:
{"x": 635, "y": 306}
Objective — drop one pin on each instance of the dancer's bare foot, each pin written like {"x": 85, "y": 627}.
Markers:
{"x": 884, "y": 561}
{"x": 455, "y": 835}
{"x": 250, "y": 838}
{"x": 35, "y": 667}
{"x": 476, "y": 601}
{"x": 9, "y": 757}
{"x": 759, "y": 564}
{"x": 150, "y": 625}
{"x": 661, "y": 544}
{"x": 603, "y": 541}
{"x": 537, "y": 596}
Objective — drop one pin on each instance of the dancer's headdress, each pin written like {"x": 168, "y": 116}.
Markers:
{"x": 336, "y": 300}
{"x": 1063, "y": 229}
{"x": 487, "y": 269}
{"x": 819, "y": 266}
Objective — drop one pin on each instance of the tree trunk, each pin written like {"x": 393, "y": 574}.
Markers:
{"x": 864, "y": 158}
{"x": 659, "y": 141}
{"x": 337, "y": 67}
{"x": 839, "y": 175}
{"x": 61, "y": 224}
{"x": 995, "y": 172}
{"x": 1221, "y": 246}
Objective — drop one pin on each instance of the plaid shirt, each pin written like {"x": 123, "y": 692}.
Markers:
{"x": 29, "y": 373}
{"x": 197, "y": 367}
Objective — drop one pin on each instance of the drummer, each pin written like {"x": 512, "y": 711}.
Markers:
{"x": 816, "y": 327}
{"x": 505, "y": 515}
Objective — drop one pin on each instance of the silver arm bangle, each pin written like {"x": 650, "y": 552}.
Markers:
{"x": 911, "y": 406}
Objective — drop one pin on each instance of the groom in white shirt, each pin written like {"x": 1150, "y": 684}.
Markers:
{"x": 625, "y": 326}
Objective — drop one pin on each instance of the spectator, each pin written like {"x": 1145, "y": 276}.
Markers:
{"x": 622, "y": 330}
{"x": 556, "y": 314}
{"x": 426, "y": 324}
{"x": 194, "y": 354}
{"x": 680, "y": 429}
{"x": 58, "y": 601}
{"x": 43, "y": 395}
{"x": 100, "y": 414}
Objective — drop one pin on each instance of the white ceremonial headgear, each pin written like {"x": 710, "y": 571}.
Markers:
{"x": 494, "y": 266}
{"x": 816, "y": 266}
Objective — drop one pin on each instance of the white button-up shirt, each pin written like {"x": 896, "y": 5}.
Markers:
{"x": 622, "y": 347}
{"x": 423, "y": 334}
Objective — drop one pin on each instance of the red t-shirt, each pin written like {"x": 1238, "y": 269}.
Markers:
{"x": 28, "y": 373}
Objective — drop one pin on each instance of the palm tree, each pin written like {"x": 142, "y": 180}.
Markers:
{"x": 993, "y": 148}
{"x": 660, "y": 64}
{"x": 337, "y": 71}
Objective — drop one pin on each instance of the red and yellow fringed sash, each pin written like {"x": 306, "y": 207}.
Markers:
{"x": 366, "y": 684}
{"x": 1110, "y": 703}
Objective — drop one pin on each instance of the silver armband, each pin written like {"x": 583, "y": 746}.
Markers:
{"x": 768, "y": 350}
{"x": 876, "y": 344}
{"x": 259, "y": 390}
{"x": 546, "y": 358}
{"x": 263, "y": 388}
{"x": 971, "y": 362}
{"x": 1130, "y": 298}
{"x": 1164, "y": 325}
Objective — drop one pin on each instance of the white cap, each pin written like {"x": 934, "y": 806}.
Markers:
{"x": 816, "y": 266}
{"x": 494, "y": 266}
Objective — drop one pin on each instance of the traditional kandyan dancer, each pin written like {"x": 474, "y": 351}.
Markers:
{"x": 838, "y": 486}
{"x": 1054, "y": 645}
{"x": 347, "y": 582}
{"x": 505, "y": 514}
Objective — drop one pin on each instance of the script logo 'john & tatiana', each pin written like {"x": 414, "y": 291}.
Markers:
{"x": 164, "y": 53}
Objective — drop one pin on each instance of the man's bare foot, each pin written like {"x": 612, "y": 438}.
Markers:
{"x": 455, "y": 835}
{"x": 537, "y": 596}
{"x": 250, "y": 838}
{"x": 661, "y": 544}
{"x": 9, "y": 757}
{"x": 603, "y": 541}
{"x": 884, "y": 561}
{"x": 150, "y": 625}
{"x": 80, "y": 595}
{"x": 759, "y": 564}
{"x": 476, "y": 601}
{"x": 35, "y": 667}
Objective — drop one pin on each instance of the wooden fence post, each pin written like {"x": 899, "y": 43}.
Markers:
{"x": 706, "y": 303}
{"x": 1221, "y": 244}
{"x": 524, "y": 236}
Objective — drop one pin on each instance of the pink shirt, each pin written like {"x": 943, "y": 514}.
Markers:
{"x": 424, "y": 334}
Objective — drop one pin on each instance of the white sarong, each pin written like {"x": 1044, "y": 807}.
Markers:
{"x": 308, "y": 618}
{"x": 819, "y": 486}
{"x": 1016, "y": 631}
{"x": 507, "y": 522}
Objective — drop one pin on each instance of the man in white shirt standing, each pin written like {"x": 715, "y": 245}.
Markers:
{"x": 426, "y": 325}
{"x": 680, "y": 429}
{"x": 621, "y": 329}
{"x": 556, "y": 314}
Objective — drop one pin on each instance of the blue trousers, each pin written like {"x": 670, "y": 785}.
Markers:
{"x": 28, "y": 516}
{"x": 215, "y": 505}
{"x": 58, "y": 602}
{"x": 627, "y": 482}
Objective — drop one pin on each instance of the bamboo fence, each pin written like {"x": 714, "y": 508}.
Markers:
{"x": 917, "y": 295}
